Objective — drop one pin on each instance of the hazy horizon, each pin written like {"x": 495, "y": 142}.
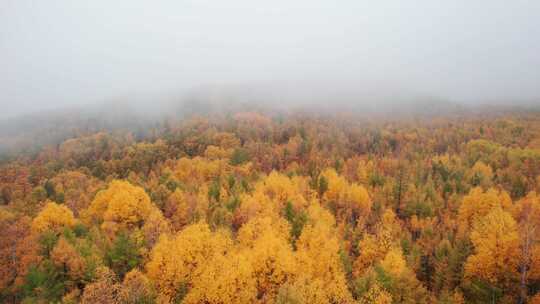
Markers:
{"x": 64, "y": 54}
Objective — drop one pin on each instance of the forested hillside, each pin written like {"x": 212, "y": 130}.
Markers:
{"x": 275, "y": 207}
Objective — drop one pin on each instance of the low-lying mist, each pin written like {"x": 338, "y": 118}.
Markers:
{"x": 141, "y": 115}
{"x": 71, "y": 67}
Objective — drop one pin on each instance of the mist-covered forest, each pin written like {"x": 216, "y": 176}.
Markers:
{"x": 271, "y": 206}
{"x": 270, "y": 152}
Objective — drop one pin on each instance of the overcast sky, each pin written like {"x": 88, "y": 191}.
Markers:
{"x": 64, "y": 53}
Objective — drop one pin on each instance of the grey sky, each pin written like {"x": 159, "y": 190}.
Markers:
{"x": 64, "y": 53}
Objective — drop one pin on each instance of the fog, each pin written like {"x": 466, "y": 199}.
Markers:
{"x": 67, "y": 54}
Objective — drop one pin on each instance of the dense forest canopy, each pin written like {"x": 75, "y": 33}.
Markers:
{"x": 280, "y": 152}
{"x": 277, "y": 207}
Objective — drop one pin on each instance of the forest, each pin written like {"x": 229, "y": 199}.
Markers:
{"x": 277, "y": 207}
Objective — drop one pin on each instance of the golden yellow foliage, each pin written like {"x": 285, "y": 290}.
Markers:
{"x": 226, "y": 140}
{"x": 265, "y": 242}
{"x": 253, "y": 205}
{"x": 389, "y": 221}
{"x": 304, "y": 290}
{"x": 213, "y": 152}
{"x": 483, "y": 172}
{"x": 197, "y": 170}
{"x": 359, "y": 198}
{"x": 261, "y": 226}
{"x": 371, "y": 250}
{"x": 347, "y": 198}
{"x": 394, "y": 262}
{"x": 225, "y": 279}
{"x": 318, "y": 255}
{"x": 53, "y": 217}
{"x": 121, "y": 206}
{"x": 496, "y": 248}
{"x": 281, "y": 189}
{"x": 376, "y": 295}
{"x": 337, "y": 186}
{"x": 478, "y": 203}
{"x": 374, "y": 247}
{"x": 320, "y": 217}
{"x": 202, "y": 203}
{"x": 362, "y": 172}
{"x": 179, "y": 259}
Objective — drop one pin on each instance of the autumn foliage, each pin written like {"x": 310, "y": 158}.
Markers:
{"x": 267, "y": 207}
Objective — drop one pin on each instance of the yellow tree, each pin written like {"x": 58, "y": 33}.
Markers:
{"x": 281, "y": 189}
{"x": 496, "y": 249}
{"x": 197, "y": 170}
{"x": 265, "y": 243}
{"x": 178, "y": 209}
{"x": 318, "y": 255}
{"x": 53, "y": 217}
{"x": 122, "y": 206}
{"x": 481, "y": 174}
{"x": 401, "y": 281}
{"x": 214, "y": 152}
{"x": 175, "y": 261}
{"x": 394, "y": 262}
{"x": 359, "y": 200}
{"x": 362, "y": 173}
{"x": 225, "y": 279}
{"x": 376, "y": 295}
{"x": 303, "y": 290}
{"x": 374, "y": 247}
{"x": 478, "y": 203}
{"x": 349, "y": 200}
{"x": 253, "y": 205}
{"x": 337, "y": 185}
{"x": 121, "y": 203}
